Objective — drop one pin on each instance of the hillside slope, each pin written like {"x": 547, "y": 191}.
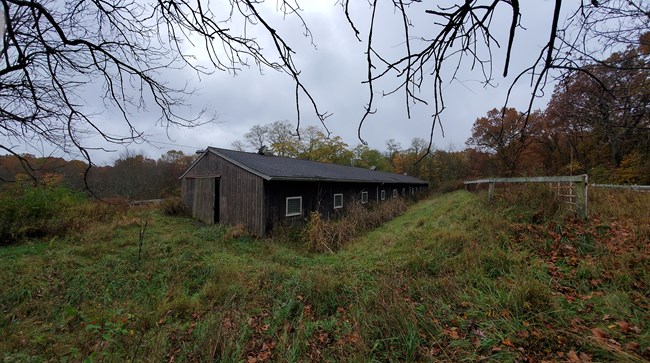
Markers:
{"x": 451, "y": 280}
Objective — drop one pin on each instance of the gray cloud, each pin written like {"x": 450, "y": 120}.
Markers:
{"x": 333, "y": 72}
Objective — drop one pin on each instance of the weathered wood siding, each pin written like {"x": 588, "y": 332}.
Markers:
{"x": 241, "y": 193}
{"x": 198, "y": 194}
{"x": 319, "y": 196}
{"x": 276, "y": 198}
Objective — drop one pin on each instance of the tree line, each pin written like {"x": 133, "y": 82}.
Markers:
{"x": 597, "y": 122}
{"x": 133, "y": 176}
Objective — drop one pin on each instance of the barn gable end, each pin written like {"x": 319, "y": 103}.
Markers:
{"x": 218, "y": 191}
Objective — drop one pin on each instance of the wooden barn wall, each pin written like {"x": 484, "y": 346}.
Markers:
{"x": 320, "y": 196}
{"x": 198, "y": 195}
{"x": 275, "y": 201}
{"x": 241, "y": 193}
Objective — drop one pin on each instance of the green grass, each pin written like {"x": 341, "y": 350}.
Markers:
{"x": 451, "y": 280}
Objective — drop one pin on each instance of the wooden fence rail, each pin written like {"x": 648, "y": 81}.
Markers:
{"x": 579, "y": 181}
{"x": 638, "y": 188}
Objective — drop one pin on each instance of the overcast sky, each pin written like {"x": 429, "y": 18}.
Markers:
{"x": 333, "y": 71}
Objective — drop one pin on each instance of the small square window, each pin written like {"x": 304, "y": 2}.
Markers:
{"x": 294, "y": 206}
{"x": 364, "y": 197}
{"x": 395, "y": 193}
{"x": 383, "y": 195}
{"x": 338, "y": 201}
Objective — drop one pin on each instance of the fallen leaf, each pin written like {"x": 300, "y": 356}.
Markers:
{"x": 632, "y": 346}
{"x": 573, "y": 357}
{"x": 323, "y": 337}
{"x": 624, "y": 326}
{"x": 476, "y": 342}
{"x": 613, "y": 341}
{"x": 268, "y": 345}
{"x": 307, "y": 310}
{"x": 452, "y": 333}
{"x": 598, "y": 333}
{"x": 507, "y": 343}
{"x": 585, "y": 358}
{"x": 264, "y": 356}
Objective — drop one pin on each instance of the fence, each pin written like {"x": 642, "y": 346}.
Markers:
{"x": 636, "y": 188}
{"x": 571, "y": 189}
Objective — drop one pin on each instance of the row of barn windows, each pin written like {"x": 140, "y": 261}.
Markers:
{"x": 294, "y": 204}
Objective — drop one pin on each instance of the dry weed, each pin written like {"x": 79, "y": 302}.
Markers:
{"x": 330, "y": 235}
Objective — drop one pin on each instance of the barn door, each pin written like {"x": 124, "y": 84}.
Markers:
{"x": 206, "y": 200}
{"x": 216, "y": 200}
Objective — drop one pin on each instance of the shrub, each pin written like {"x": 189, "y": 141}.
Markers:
{"x": 173, "y": 207}
{"x": 34, "y": 212}
{"x": 330, "y": 235}
{"x": 448, "y": 186}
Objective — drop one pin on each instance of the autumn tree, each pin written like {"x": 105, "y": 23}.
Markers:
{"x": 505, "y": 134}
{"x": 604, "y": 109}
{"x": 445, "y": 170}
{"x": 280, "y": 136}
{"x": 283, "y": 139}
{"x": 317, "y": 146}
{"x": 312, "y": 144}
{"x": 367, "y": 158}
{"x": 256, "y": 137}
{"x": 134, "y": 176}
{"x": 170, "y": 166}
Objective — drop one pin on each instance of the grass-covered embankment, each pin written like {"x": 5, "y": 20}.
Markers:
{"x": 452, "y": 279}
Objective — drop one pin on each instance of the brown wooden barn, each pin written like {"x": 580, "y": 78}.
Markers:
{"x": 261, "y": 191}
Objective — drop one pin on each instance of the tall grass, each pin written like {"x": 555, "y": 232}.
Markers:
{"x": 47, "y": 211}
{"x": 619, "y": 203}
{"x": 330, "y": 235}
{"x": 450, "y": 280}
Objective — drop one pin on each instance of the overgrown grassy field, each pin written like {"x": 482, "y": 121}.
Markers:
{"x": 453, "y": 279}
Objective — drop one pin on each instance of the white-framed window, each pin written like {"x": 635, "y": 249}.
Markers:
{"x": 403, "y": 192}
{"x": 364, "y": 197}
{"x": 383, "y": 195}
{"x": 338, "y": 201}
{"x": 412, "y": 191}
{"x": 395, "y": 193}
{"x": 294, "y": 206}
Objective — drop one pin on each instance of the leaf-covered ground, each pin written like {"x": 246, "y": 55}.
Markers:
{"x": 454, "y": 279}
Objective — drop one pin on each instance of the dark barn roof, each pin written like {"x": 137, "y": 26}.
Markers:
{"x": 282, "y": 168}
